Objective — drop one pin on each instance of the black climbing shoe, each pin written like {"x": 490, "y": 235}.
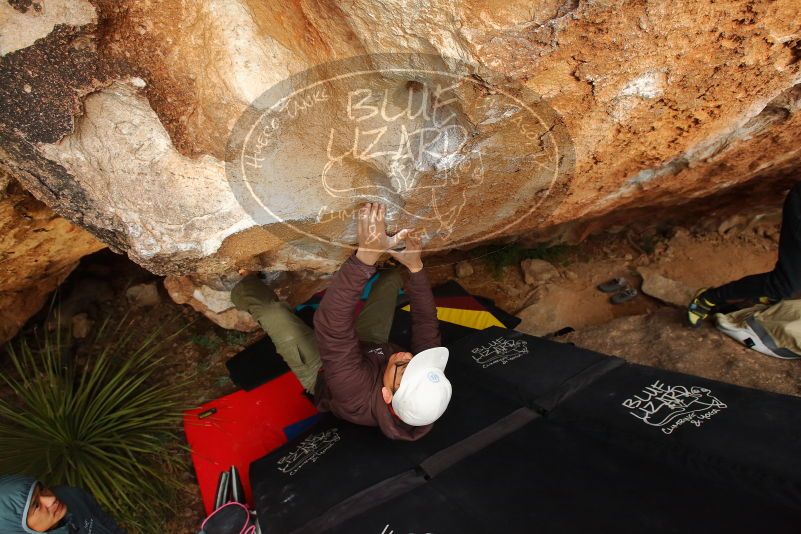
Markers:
{"x": 624, "y": 296}
{"x": 700, "y": 309}
{"x": 614, "y": 285}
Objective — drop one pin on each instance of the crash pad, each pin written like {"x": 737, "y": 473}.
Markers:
{"x": 547, "y": 437}
{"x": 241, "y": 427}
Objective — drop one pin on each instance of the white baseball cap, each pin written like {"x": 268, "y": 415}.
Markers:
{"x": 424, "y": 391}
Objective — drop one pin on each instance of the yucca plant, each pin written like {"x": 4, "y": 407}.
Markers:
{"x": 103, "y": 419}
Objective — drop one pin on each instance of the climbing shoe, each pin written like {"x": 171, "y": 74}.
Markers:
{"x": 614, "y": 285}
{"x": 700, "y": 309}
{"x": 624, "y": 296}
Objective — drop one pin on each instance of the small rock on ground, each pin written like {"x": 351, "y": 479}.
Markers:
{"x": 81, "y": 325}
{"x": 537, "y": 271}
{"x": 660, "y": 287}
{"x": 463, "y": 269}
{"x": 143, "y": 295}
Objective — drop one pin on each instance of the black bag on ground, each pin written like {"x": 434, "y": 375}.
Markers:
{"x": 423, "y": 509}
{"x": 256, "y": 364}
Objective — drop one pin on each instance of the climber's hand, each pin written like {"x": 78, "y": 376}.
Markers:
{"x": 372, "y": 231}
{"x": 410, "y": 256}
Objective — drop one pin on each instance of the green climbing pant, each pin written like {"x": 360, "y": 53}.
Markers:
{"x": 294, "y": 339}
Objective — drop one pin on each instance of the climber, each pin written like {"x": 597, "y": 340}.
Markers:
{"x": 783, "y": 282}
{"x": 27, "y": 506}
{"x": 347, "y": 362}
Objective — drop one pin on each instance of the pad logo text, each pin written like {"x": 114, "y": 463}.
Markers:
{"x": 499, "y": 350}
{"x": 309, "y": 450}
{"x": 669, "y": 407}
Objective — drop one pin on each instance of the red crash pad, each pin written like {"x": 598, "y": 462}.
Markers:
{"x": 242, "y": 427}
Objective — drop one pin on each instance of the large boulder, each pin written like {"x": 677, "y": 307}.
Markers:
{"x": 199, "y": 137}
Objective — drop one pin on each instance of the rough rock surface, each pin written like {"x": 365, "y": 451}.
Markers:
{"x": 37, "y": 19}
{"x": 536, "y": 271}
{"x": 212, "y": 297}
{"x": 143, "y": 295}
{"x": 117, "y": 113}
{"x": 669, "y": 291}
{"x": 38, "y": 249}
{"x": 81, "y": 325}
{"x": 463, "y": 269}
{"x": 569, "y": 305}
{"x": 220, "y": 310}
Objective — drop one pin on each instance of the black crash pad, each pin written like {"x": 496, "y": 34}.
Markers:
{"x": 735, "y": 434}
{"x": 540, "y": 438}
{"x": 527, "y": 370}
{"x": 546, "y": 478}
{"x": 287, "y": 486}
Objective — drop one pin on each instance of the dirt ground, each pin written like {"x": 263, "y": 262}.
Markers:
{"x": 644, "y": 330}
{"x": 660, "y": 339}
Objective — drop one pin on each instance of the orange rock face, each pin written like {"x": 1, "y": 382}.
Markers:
{"x": 563, "y": 118}
{"x": 38, "y": 249}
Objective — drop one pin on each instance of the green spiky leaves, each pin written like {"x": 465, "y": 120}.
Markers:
{"x": 104, "y": 418}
